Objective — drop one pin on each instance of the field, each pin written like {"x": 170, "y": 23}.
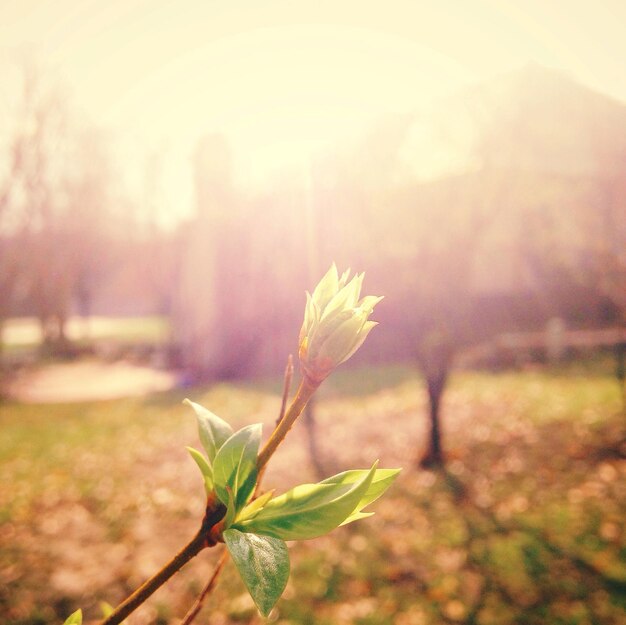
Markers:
{"x": 23, "y": 334}
{"x": 526, "y": 525}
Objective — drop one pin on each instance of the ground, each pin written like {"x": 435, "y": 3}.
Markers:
{"x": 87, "y": 380}
{"x": 526, "y": 524}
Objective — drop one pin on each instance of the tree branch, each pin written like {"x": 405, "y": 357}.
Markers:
{"x": 131, "y": 603}
{"x": 303, "y": 394}
{"x": 215, "y": 511}
{"x": 286, "y": 388}
{"x": 197, "y": 606}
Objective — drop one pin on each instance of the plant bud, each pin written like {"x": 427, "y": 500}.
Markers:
{"x": 335, "y": 323}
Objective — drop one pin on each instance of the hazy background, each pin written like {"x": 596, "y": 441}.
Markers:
{"x": 207, "y": 162}
{"x": 174, "y": 176}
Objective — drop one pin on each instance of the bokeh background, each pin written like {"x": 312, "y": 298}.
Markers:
{"x": 174, "y": 176}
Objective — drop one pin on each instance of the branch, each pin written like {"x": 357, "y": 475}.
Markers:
{"x": 197, "y": 606}
{"x": 281, "y": 415}
{"x": 156, "y": 581}
{"x": 286, "y": 388}
{"x": 215, "y": 511}
{"x": 303, "y": 394}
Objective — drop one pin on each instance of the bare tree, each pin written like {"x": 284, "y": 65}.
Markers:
{"x": 21, "y": 192}
{"x": 54, "y": 205}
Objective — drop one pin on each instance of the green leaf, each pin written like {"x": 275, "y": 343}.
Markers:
{"x": 382, "y": 480}
{"x": 357, "y": 516}
{"x": 213, "y": 431}
{"x": 75, "y": 618}
{"x": 231, "y": 511}
{"x": 263, "y": 564}
{"x": 309, "y": 510}
{"x": 205, "y": 468}
{"x": 235, "y": 466}
{"x": 252, "y": 509}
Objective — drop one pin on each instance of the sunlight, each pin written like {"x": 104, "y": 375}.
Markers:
{"x": 280, "y": 94}
{"x": 278, "y": 82}
{"x": 175, "y": 179}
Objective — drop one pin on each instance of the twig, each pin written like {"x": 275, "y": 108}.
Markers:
{"x": 197, "y": 606}
{"x": 303, "y": 394}
{"x": 215, "y": 512}
{"x": 147, "y": 588}
{"x": 314, "y": 451}
{"x": 286, "y": 388}
{"x": 206, "y": 591}
{"x": 281, "y": 415}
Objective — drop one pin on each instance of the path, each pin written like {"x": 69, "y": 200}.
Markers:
{"x": 88, "y": 381}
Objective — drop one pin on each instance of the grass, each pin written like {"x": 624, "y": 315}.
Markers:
{"x": 23, "y": 333}
{"x": 525, "y": 526}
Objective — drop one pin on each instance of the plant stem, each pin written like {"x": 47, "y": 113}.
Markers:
{"x": 215, "y": 512}
{"x": 286, "y": 388}
{"x": 281, "y": 415}
{"x": 131, "y": 603}
{"x": 303, "y": 394}
{"x": 314, "y": 452}
{"x": 197, "y": 606}
{"x": 294, "y": 411}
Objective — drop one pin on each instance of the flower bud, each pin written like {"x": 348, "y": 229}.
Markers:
{"x": 335, "y": 323}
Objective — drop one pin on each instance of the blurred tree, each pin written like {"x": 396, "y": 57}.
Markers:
{"x": 448, "y": 244}
{"x": 209, "y": 308}
{"x": 161, "y": 248}
{"x": 12, "y": 226}
{"x": 54, "y": 208}
{"x": 66, "y": 202}
{"x": 25, "y": 197}
{"x": 88, "y": 219}
{"x": 312, "y": 246}
{"x": 435, "y": 358}
{"x": 514, "y": 220}
{"x": 460, "y": 216}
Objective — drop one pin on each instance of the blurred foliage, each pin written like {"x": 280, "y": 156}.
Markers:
{"x": 526, "y": 525}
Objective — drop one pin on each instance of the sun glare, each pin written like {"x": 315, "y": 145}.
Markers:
{"x": 280, "y": 83}
{"x": 279, "y": 94}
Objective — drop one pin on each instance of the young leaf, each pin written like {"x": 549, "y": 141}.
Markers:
{"x": 76, "y": 618}
{"x": 235, "y": 466}
{"x": 263, "y": 564}
{"x": 231, "y": 511}
{"x": 213, "y": 431}
{"x": 253, "y": 507}
{"x": 309, "y": 510}
{"x": 357, "y": 516}
{"x": 205, "y": 468}
{"x": 382, "y": 480}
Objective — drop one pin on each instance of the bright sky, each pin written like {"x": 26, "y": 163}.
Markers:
{"x": 283, "y": 77}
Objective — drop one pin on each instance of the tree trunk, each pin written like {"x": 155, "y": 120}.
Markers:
{"x": 2, "y": 367}
{"x": 436, "y": 353}
{"x": 434, "y": 454}
{"x": 311, "y": 429}
{"x": 620, "y": 371}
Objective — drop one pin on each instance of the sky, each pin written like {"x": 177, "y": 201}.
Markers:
{"x": 284, "y": 78}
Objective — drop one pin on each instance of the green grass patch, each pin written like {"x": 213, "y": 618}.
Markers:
{"x": 526, "y": 526}
{"x": 24, "y": 332}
